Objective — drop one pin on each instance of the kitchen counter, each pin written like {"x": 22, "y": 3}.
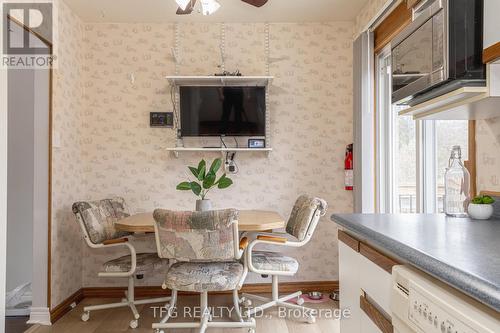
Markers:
{"x": 461, "y": 252}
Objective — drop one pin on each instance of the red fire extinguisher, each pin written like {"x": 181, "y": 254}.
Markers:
{"x": 349, "y": 174}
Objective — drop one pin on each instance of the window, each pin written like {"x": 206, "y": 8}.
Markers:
{"x": 405, "y": 165}
{"x": 396, "y": 147}
{"x": 412, "y": 156}
{"x": 448, "y": 134}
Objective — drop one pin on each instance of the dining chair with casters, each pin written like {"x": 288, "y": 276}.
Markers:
{"x": 301, "y": 225}
{"x": 96, "y": 220}
{"x": 206, "y": 249}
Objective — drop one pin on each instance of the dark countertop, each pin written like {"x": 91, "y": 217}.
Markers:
{"x": 461, "y": 252}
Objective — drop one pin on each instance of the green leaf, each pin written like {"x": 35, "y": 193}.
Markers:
{"x": 224, "y": 182}
{"x": 202, "y": 164}
{"x": 184, "y": 186}
{"x": 488, "y": 200}
{"x": 201, "y": 175}
{"x": 209, "y": 180}
{"x": 201, "y": 170}
{"x": 194, "y": 171}
{"x": 477, "y": 200}
{"x": 215, "y": 165}
{"x": 196, "y": 188}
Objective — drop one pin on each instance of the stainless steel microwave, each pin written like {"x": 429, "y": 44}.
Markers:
{"x": 440, "y": 51}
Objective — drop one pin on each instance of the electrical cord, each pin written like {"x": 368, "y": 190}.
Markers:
{"x": 229, "y": 163}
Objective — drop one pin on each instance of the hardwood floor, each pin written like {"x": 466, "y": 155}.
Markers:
{"x": 117, "y": 320}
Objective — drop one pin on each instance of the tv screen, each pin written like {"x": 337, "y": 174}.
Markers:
{"x": 230, "y": 111}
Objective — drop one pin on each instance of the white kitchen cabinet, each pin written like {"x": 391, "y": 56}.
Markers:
{"x": 349, "y": 288}
{"x": 491, "y": 32}
{"x": 365, "y": 277}
{"x": 376, "y": 282}
{"x": 367, "y": 325}
{"x": 491, "y": 24}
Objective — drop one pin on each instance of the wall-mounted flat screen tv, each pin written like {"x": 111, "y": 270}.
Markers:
{"x": 224, "y": 110}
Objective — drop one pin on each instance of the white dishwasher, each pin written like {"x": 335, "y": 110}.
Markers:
{"x": 421, "y": 303}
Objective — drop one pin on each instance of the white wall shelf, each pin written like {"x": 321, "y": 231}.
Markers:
{"x": 178, "y": 150}
{"x": 219, "y": 80}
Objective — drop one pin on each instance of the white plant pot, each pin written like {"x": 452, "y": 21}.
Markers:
{"x": 203, "y": 205}
{"x": 480, "y": 212}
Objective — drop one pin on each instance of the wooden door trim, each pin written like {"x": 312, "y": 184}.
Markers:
{"x": 490, "y": 193}
{"x": 376, "y": 316}
{"x": 470, "y": 164}
{"x": 491, "y": 53}
{"x": 392, "y": 25}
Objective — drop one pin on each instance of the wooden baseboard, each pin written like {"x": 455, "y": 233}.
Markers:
{"x": 157, "y": 291}
{"x": 63, "y": 308}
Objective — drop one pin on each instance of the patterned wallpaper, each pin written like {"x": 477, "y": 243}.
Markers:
{"x": 67, "y": 182}
{"x": 488, "y": 154}
{"x": 311, "y": 123}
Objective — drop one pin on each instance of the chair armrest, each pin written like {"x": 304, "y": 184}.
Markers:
{"x": 115, "y": 241}
{"x": 269, "y": 239}
{"x": 133, "y": 256}
{"x": 274, "y": 239}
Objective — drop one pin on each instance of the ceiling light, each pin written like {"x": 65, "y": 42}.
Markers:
{"x": 183, "y": 3}
{"x": 208, "y": 7}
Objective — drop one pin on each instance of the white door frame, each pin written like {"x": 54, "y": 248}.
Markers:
{"x": 40, "y": 309}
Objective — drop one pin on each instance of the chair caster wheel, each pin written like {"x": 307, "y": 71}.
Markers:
{"x": 311, "y": 319}
{"x": 85, "y": 316}
{"x": 134, "y": 323}
{"x": 300, "y": 300}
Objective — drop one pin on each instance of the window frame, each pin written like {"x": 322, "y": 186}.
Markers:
{"x": 426, "y": 150}
{"x": 426, "y": 138}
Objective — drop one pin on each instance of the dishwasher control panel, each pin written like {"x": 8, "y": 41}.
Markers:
{"x": 422, "y": 304}
{"x": 430, "y": 317}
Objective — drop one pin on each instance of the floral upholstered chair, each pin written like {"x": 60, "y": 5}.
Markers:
{"x": 97, "y": 219}
{"x": 206, "y": 247}
{"x": 302, "y": 222}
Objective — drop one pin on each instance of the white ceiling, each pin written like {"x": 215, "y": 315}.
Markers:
{"x": 157, "y": 11}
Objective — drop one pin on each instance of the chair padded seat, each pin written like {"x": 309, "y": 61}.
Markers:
{"x": 204, "y": 276}
{"x": 274, "y": 261}
{"x": 146, "y": 262}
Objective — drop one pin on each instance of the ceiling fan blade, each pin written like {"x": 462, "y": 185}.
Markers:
{"x": 189, "y": 9}
{"x": 256, "y": 3}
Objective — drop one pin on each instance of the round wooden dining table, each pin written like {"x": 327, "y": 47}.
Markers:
{"x": 249, "y": 220}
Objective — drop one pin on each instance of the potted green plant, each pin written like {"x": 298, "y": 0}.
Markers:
{"x": 481, "y": 207}
{"x": 205, "y": 179}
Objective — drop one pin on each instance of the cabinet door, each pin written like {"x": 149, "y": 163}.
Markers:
{"x": 367, "y": 325}
{"x": 376, "y": 281}
{"x": 349, "y": 288}
{"x": 491, "y": 32}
